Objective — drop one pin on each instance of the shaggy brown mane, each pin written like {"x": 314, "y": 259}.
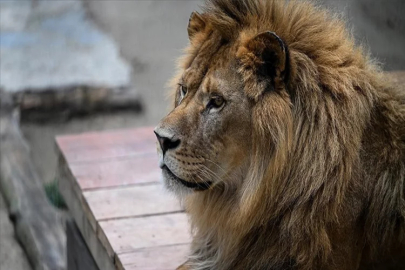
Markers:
{"x": 332, "y": 157}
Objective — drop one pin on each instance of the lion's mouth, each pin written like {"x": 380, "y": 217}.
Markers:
{"x": 200, "y": 186}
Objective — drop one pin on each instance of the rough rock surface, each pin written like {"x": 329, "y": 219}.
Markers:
{"x": 11, "y": 254}
{"x": 52, "y": 45}
{"x": 38, "y": 225}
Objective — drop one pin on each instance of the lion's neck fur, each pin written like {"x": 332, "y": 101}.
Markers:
{"x": 298, "y": 209}
{"x": 321, "y": 171}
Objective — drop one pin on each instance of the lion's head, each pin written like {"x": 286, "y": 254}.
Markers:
{"x": 207, "y": 140}
{"x": 265, "y": 89}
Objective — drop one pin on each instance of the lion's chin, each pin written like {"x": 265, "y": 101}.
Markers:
{"x": 175, "y": 183}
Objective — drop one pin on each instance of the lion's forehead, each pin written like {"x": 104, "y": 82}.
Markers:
{"x": 204, "y": 63}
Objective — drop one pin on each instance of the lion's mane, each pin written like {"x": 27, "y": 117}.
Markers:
{"x": 327, "y": 165}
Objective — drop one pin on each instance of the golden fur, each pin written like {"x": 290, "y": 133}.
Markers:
{"x": 308, "y": 166}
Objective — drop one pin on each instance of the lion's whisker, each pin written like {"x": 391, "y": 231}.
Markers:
{"x": 207, "y": 159}
{"x": 208, "y": 173}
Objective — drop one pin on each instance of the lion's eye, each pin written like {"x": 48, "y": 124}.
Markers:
{"x": 216, "y": 102}
{"x": 183, "y": 91}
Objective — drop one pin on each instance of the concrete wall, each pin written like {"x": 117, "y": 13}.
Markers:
{"x": 379, "y": 25}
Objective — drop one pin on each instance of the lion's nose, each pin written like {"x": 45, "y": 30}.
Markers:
{"x": 166, "y": 140}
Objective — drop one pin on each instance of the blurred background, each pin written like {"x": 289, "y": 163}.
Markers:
{"x": 75, "y": 66}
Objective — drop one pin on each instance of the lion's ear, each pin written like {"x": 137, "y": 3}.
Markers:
{"x": 265, "y": 61}
{"x": 196, "y": 24}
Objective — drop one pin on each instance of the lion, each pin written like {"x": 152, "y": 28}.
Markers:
{"x": 286, "y": 143}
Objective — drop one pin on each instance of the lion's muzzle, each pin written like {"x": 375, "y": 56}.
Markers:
{"x": 167, "y": 141}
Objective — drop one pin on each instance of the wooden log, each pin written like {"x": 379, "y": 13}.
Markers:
{"x": 62, "y": 104}
{"x": 131, "y": 201}
{"x": 99, "y": 146}
{"x": 155, "y": 258}
{"x": 119, "y": 172}
{"x": 110, "y": 184}
{"x": 128, "y": 234}
{"x": 38, "y": 225}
